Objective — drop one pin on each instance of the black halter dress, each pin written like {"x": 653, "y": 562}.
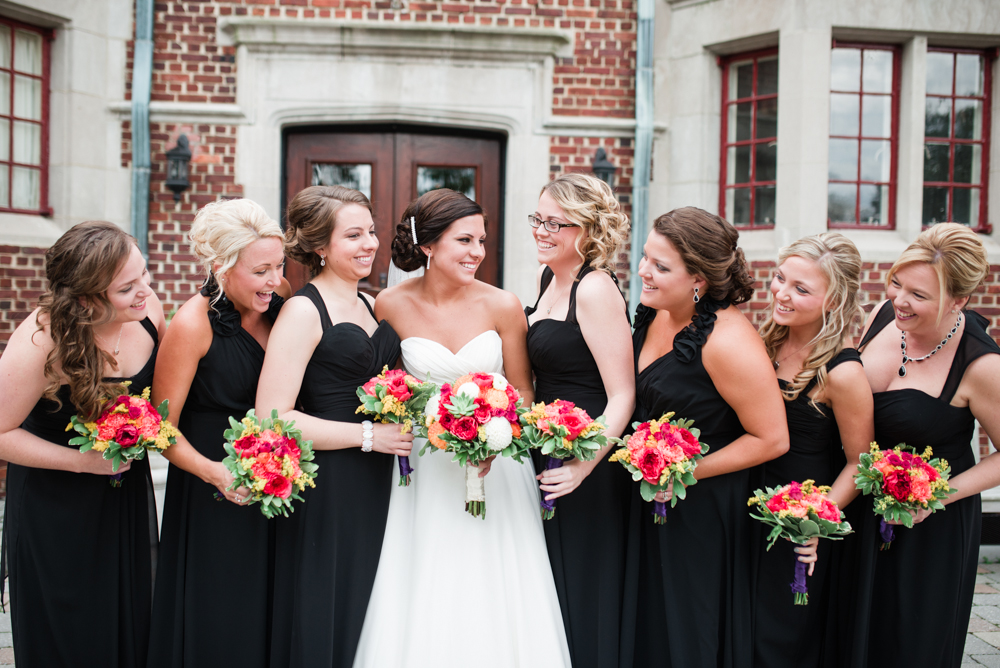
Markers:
{"x": 328, "y": 549}
{"x": 692, "y": 587}
{"x": 80, "y": 553}
{"x": 923, "y": 584}
{"x": 586, "y": 538}
{"x": 204, "y": 539}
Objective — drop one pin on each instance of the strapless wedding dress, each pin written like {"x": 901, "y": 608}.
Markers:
{"x": 453, "y": 590}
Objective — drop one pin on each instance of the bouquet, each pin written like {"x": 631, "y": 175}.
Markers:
{"x": 270, "y": 458}
{"x": 125, "y": 429}
{"x": 663, "y": 455}
{"x": 799, "y": 512}
{"x": 475, "y": 418}
{"x": 902, "y": 481}
{"x": 561, "y": 430}
{"x": 397, "y": 397}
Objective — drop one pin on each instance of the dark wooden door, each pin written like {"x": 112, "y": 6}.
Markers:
{"x": 393, "y": 168}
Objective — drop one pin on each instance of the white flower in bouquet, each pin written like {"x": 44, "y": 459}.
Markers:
{"x": 498, "y": 433}
{"x": 470, "y": 390}
{"x": 499, "y": 382}
{"x": 432, "y": 406}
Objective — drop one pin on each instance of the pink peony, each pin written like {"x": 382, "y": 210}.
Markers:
{"x": 369, "y": 387}
{"x": 651, "y": 463}
{"x": 574, "y": 423}
{"x": 279, "y": 486}
{"x": 777, "y": 503}
{"x": 464, "y": 428}
{"x": 897, "y": 483}
{"x": 127, "y": 436}
{"x": 482, "y": 413}
{"x": 399, "y": 389}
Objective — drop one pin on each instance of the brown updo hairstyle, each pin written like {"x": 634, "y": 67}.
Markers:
{"x": 590, "y": 203}
{"x": 311, "y": 218}
{"x": 433, "y": 213}
{"x": 707, "y": 245}
{"x": 80, "y": 267}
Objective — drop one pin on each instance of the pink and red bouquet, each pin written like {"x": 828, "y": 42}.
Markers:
{"x": 395, "y": 396}
{"x": 269, "y": 458}
{"x": 799, "y": 512}
{"x": 125, "y": 429}
{"x": 561, "y": 430}
{"x": 903, "y": 483}
{"x": 662, "y": 454}
{"x": 475, "y": 418}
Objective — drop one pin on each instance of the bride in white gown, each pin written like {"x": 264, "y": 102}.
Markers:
{"x": 452, "y": 589}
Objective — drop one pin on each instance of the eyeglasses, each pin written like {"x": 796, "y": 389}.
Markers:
{"x": 550, "y": 225}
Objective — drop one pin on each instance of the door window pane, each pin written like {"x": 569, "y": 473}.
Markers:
{"x": 459, "y": 179}
{"x": 357, "y": 176}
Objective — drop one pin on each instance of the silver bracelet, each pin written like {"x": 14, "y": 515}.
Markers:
{"x": 367, "y": 436}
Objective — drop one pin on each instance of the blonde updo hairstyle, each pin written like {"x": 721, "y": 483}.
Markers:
{"x": 839, "y": 260}
{"x": 591, "y": 204}
{"x": 956, "y": 255}
{"x": 222, "y": 229}
{"x": 311, "y": 219}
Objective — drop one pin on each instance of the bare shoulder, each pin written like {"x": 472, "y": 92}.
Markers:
{"x": 28, "y": 338}
{"x": 500, "y": 301}
{"x": 732, "y": 326}
{"x": 984, "y": 372}
{"x": 391, "y": 299}
{"x": 598, "y": 287}
{"x": 299, "y": 309}
{"x": 191, "y": 325}
{"x": 846, "y": 379}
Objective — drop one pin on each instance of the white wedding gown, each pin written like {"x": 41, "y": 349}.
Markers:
{"x": 453, "y": 590}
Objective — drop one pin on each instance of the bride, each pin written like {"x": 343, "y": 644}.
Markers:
{"x": 453, "y": 589}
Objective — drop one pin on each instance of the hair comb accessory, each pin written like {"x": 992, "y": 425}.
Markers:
{"x": 413, "y": 229}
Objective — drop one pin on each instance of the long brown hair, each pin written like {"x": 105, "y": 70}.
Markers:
{"x": 80, "y": 267}
{"x": 432, "y": 213}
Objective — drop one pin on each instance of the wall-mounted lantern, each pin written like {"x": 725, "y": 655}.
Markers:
{"x": 603, "y": 168}
{"x": 177, "y": 167}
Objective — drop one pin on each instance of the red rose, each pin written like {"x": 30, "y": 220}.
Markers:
{"x": 122, "y": 399}
{"x": 895, "y": 459}
{"x": 446, "y": 419}
{"x": 574, "y": 423}
{"x": 134, "y": 412}
{"x": 369, "y": 387}
{"x": 483, "y": 380}
{"x": 247, "y": 445}
{"x": 651, "y": 462}
{"x": 482, "y": 413}
{"x": 464, "y": 428}
{"x": 777, "y": 503}
{"x": 399, "y": 389}
{"x": 897, "y": 483}
{"x": 279, "y": 486}
{"x": 127, "y": 435}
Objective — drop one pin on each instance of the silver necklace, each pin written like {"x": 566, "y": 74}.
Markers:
{"x": 777, "y": 363}
{"x": 549, "y": 309}
{"x": 119, "y": 343}
{"x": 907, "y": 358}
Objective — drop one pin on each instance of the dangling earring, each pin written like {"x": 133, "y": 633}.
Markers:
{"x": 222, "y": 285}
{"x": 428, "y": 262}
{"x": 696, "y": 297}
{"x": 322, "y": 260}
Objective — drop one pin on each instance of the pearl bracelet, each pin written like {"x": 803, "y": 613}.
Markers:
{"x": 367, "y": 436}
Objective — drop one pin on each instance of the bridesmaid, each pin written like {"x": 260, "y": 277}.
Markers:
{"x": 579, "y": 229}
{"x": 79, "y": 551}
{"x": 827, "y": 403}
{"x": 208, "y": 368}
{"x": 931, "y": 394}
{"x": 698, "y": 355}
{"x": 326, "y": 344}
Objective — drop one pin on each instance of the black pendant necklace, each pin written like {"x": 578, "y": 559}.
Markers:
{"x": 906, "y": 358}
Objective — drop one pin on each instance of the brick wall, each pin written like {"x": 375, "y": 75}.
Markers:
{"x": 22, "y": 280}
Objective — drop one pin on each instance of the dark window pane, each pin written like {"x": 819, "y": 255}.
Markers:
{"x": 743, "y": 79}
{"x": 874, "y": 204}
{"x": 767, "y": 76}
{"x": 969, "y": 74}
{"x": 763, "y": 206}
{"x": 767, "y": 161}
{"x": 935, "y": 205}
{"x": 878, "y": 71}
{"x": 876, "y": 160}
{"x": 459, "y": 179}
{"x": 939, "y": 67}
{"x": 841, "y": 203}
{"x": 968, "y": 119}
{"x": 740, "y": 120}
{"x": 937, "y": 117}
{"x": 876, "y": 119}
{"x": 739, "y": 164}
{"x": 738, "y": 206}
{"x": 767, "y": 118}
{"x": 936, "y": 162}
{"x": 968, "y": 164}
{"x": 358, "y": 177}
{"x": 843, "y": 159}
{"x": 844, "y": 112}
{"x": 961, "y": 208}
{"x": 845, "y": 69}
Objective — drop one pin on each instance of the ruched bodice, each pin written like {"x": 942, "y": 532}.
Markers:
{"x": 429, "y": 360}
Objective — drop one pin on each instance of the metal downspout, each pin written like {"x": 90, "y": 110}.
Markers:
{"x": 142, "y": 75}
{"x": 643, "y": 144}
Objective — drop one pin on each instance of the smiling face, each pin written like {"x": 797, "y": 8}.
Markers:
{"x": 130, "y": 288}
{"x": 352, "y": 244}
{"x": 916, "y": 297}
{"x": 457, "y": 254}
{"x": 251, "y": 282}
{"x": 799, "y": 288}
{"x": 556, "y": 248}
{"x": 666, "y": 283}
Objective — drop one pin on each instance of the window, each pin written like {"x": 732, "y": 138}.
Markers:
{"x": 864, "y": 108}
{"x": 749, "y": 139}
{"x": 24, "y": 98}
{"x": 956, "y": 137}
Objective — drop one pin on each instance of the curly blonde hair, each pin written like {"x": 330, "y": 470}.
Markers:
{"x": 591, "y": 204}
{"x": 839, "y": 260}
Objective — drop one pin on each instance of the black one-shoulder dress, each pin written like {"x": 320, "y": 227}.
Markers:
{"x": 80, "y": 553}
{"x": 783, "y": 630}
{"x": 923, "y": 584}
{"x": 586, "y": 538}
{"x": 198, "y": 610}
{"x": 692, "y": 585}
{"x": 328, "y": 550}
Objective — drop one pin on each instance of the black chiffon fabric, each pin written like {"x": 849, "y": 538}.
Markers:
{"x": 923, "y": 585}
{"x": 690, "y": 591}
{"x": 196, "y": 612}
{"x": 328, "y": 549}
{"x": 586, "y": 538}
{"x": 80, "y": 553}
{"x": 783, "y": 630}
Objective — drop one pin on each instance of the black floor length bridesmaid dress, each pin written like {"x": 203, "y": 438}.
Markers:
{"x": 586, "y": 538}
{"x": 692, "y": 586}
{"x": 205, "y": 540}
{"x": 328, "y": 550}
{"x": 924, "y": 582}
{"x": 80, "y": 553}
{"x": 783, "y": 630}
